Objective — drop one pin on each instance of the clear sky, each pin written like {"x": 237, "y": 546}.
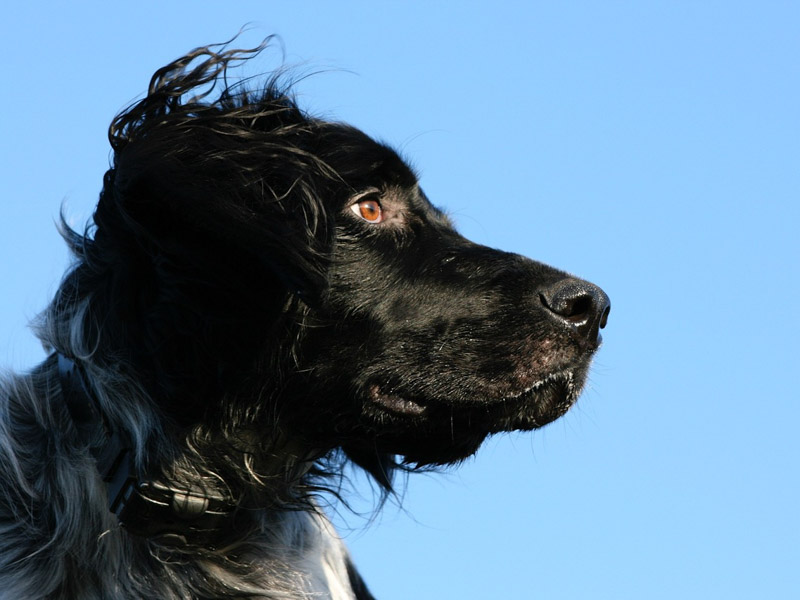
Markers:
{"x": 651, "y": 147}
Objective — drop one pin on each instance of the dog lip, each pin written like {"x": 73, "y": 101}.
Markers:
{"x": 538, "y": 404}
{"x": 565, "y": 377}
{"x": 400, "y": 405}
{"x": 395, "y": 404}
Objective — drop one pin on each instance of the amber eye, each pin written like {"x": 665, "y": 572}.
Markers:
{"x": 369, "y": 210}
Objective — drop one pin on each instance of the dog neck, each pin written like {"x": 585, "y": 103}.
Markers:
{"x": 176, "y": 514}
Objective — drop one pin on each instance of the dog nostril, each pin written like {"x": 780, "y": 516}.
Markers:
{"x": 580, "y": 304}
{"x": 604, "y": 317}
{"x": 576, "y": 309}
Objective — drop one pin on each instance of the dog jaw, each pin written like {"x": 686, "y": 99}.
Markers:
{"x": 536, "y": 405}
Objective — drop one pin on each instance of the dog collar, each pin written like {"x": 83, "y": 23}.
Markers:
{"x": 172, "y": 514}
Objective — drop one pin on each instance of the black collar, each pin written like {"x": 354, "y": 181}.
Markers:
{"x": 175, "y": 515}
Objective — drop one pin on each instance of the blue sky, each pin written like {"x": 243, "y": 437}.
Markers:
{"x": 651, "y": 147}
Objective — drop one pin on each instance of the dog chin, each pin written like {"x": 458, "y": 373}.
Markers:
{"x": 540, "y": 404}
{"x": 435, "y": 432}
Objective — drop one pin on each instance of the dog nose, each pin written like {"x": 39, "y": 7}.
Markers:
{"x": 581, "y": 305}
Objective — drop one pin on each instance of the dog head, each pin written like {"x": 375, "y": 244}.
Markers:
{"x": 269, "y": 274}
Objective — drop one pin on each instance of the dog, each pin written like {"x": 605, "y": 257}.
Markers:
{"x": 262, "y": 298}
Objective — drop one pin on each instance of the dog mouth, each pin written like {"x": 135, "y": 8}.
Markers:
{"x": 536, "y": 405}
{"x": 395, "y": 404}
{"x": 539, "y": 404}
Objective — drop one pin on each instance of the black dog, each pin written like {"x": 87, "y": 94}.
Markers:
{"x": 263, "y": 296}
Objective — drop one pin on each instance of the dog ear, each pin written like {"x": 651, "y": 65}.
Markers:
{"x": 239, "y": 171}
{"x": 223, "y": 192}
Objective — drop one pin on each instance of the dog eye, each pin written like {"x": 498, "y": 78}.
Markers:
{"x": 369, "y": 210}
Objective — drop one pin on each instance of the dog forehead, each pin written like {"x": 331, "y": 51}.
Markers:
{"x": 363, "y": 161}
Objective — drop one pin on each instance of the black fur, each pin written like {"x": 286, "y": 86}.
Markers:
{"x": 270, "y": 331}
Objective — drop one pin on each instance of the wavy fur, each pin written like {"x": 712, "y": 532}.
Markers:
{"x": 251, "y": 331}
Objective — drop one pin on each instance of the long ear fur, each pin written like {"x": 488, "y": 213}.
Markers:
{"x": 237, "y": 170}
